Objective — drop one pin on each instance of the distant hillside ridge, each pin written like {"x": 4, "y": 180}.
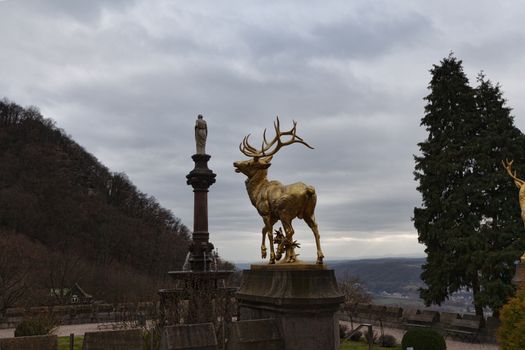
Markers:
{"x": 391, "y": 275}
{"x": 64, "y": 201}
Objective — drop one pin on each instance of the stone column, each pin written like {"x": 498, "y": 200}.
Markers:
{"x": 200, "y": 178}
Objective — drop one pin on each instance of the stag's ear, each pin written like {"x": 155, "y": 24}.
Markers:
{"x": 264, "y": 163}
{"x": 267, "y": 160}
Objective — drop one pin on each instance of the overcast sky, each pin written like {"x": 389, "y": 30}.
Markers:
{"x": 126, "y": 79}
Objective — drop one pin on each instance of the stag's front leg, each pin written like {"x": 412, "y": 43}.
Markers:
{"x": 263, "y": 244}
{"x": 272, "y": 250}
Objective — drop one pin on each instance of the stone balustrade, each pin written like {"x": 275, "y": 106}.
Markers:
{"x": 465, "y": 326}
{"x": 81, "y": 313}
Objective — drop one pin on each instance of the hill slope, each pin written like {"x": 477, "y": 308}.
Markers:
{"x": 75, "y": 214}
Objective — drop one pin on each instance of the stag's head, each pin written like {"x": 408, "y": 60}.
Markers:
{"x": 251, "y": 166}
{"x": 261, "y": 158}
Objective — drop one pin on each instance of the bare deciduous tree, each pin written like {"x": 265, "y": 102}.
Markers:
{"x": 64, "y": 270}
{"x": 16, "y": 253}
{"x": 353, "y": 290}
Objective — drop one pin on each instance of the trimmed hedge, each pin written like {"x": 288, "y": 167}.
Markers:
{"x": 387, "y": 341}
{"x": 427, "y": 339}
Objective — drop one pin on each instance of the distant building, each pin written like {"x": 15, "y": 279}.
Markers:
{"x": 73, "y": 295}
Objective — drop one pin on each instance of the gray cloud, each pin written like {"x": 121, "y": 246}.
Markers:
{"x": 83, "y": 11}
{"x": 347, "y": 38}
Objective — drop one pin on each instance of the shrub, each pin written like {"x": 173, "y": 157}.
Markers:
{"x": 427, "y": 339}
{"x": 512, "y": 316}
{"x": 151, "y": 335}
{"x": 387, "y": 341}
{"x": 36, "y": 325}
{"x": 356, "y": 336}
{"x": 342, "y": 331}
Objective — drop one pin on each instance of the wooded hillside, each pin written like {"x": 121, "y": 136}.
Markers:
{"x": 65, "y": 218}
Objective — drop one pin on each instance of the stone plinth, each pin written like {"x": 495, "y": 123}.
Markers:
{"x": 189, "y": 336}
{"x": 303, "y": 298}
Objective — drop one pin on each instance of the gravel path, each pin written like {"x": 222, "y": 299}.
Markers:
{"x": 77, "y": 329}
{"x": 7, "y": 333}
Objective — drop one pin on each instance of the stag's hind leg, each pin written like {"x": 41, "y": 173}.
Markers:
{"x": 310, "y": 220}
{"x": 291, "y": 257}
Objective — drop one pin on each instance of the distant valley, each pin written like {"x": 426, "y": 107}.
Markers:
{"x": 396, "y": 282}
{"x": 392, "y": 281}
{"x": 390, "y": 275}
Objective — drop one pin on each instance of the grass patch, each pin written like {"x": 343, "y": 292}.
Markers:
{"x": 63, "y": 342}
{"x": 359, "y": 345}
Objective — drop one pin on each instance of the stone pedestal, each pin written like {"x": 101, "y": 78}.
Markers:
{"x": 255, "y": 335}
{"x": 304, "y": 298}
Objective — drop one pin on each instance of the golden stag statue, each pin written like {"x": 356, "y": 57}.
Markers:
{"x": 275, "y": 201}
{"x": 521, "y": 185}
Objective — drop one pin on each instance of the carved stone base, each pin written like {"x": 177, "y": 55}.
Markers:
{"x": 303, "y": 300}
{"x": 199, "y": 297}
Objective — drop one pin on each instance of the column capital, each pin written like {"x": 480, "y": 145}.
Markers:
{"x": 201, "y": 177}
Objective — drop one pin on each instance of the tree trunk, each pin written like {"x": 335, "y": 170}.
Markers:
{"x": 477, "y": 304}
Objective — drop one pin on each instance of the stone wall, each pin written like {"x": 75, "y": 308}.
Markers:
{"x": 396, "y": 317}
{"x": 79, "y": 314}
{"x": 41, "y": 342}
{"x": 128, "y": 339}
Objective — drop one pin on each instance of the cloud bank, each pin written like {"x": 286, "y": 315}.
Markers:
{"x": 127, "y": 79}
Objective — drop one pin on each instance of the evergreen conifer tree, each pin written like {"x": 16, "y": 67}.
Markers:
{"x": 469, "y": 219}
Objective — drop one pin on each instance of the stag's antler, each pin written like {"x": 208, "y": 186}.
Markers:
{"x": 508, "y": 166}
{"x": 266, "y": 150}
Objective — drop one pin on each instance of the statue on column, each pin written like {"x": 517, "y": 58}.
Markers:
{"x": 201, "y": 133}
